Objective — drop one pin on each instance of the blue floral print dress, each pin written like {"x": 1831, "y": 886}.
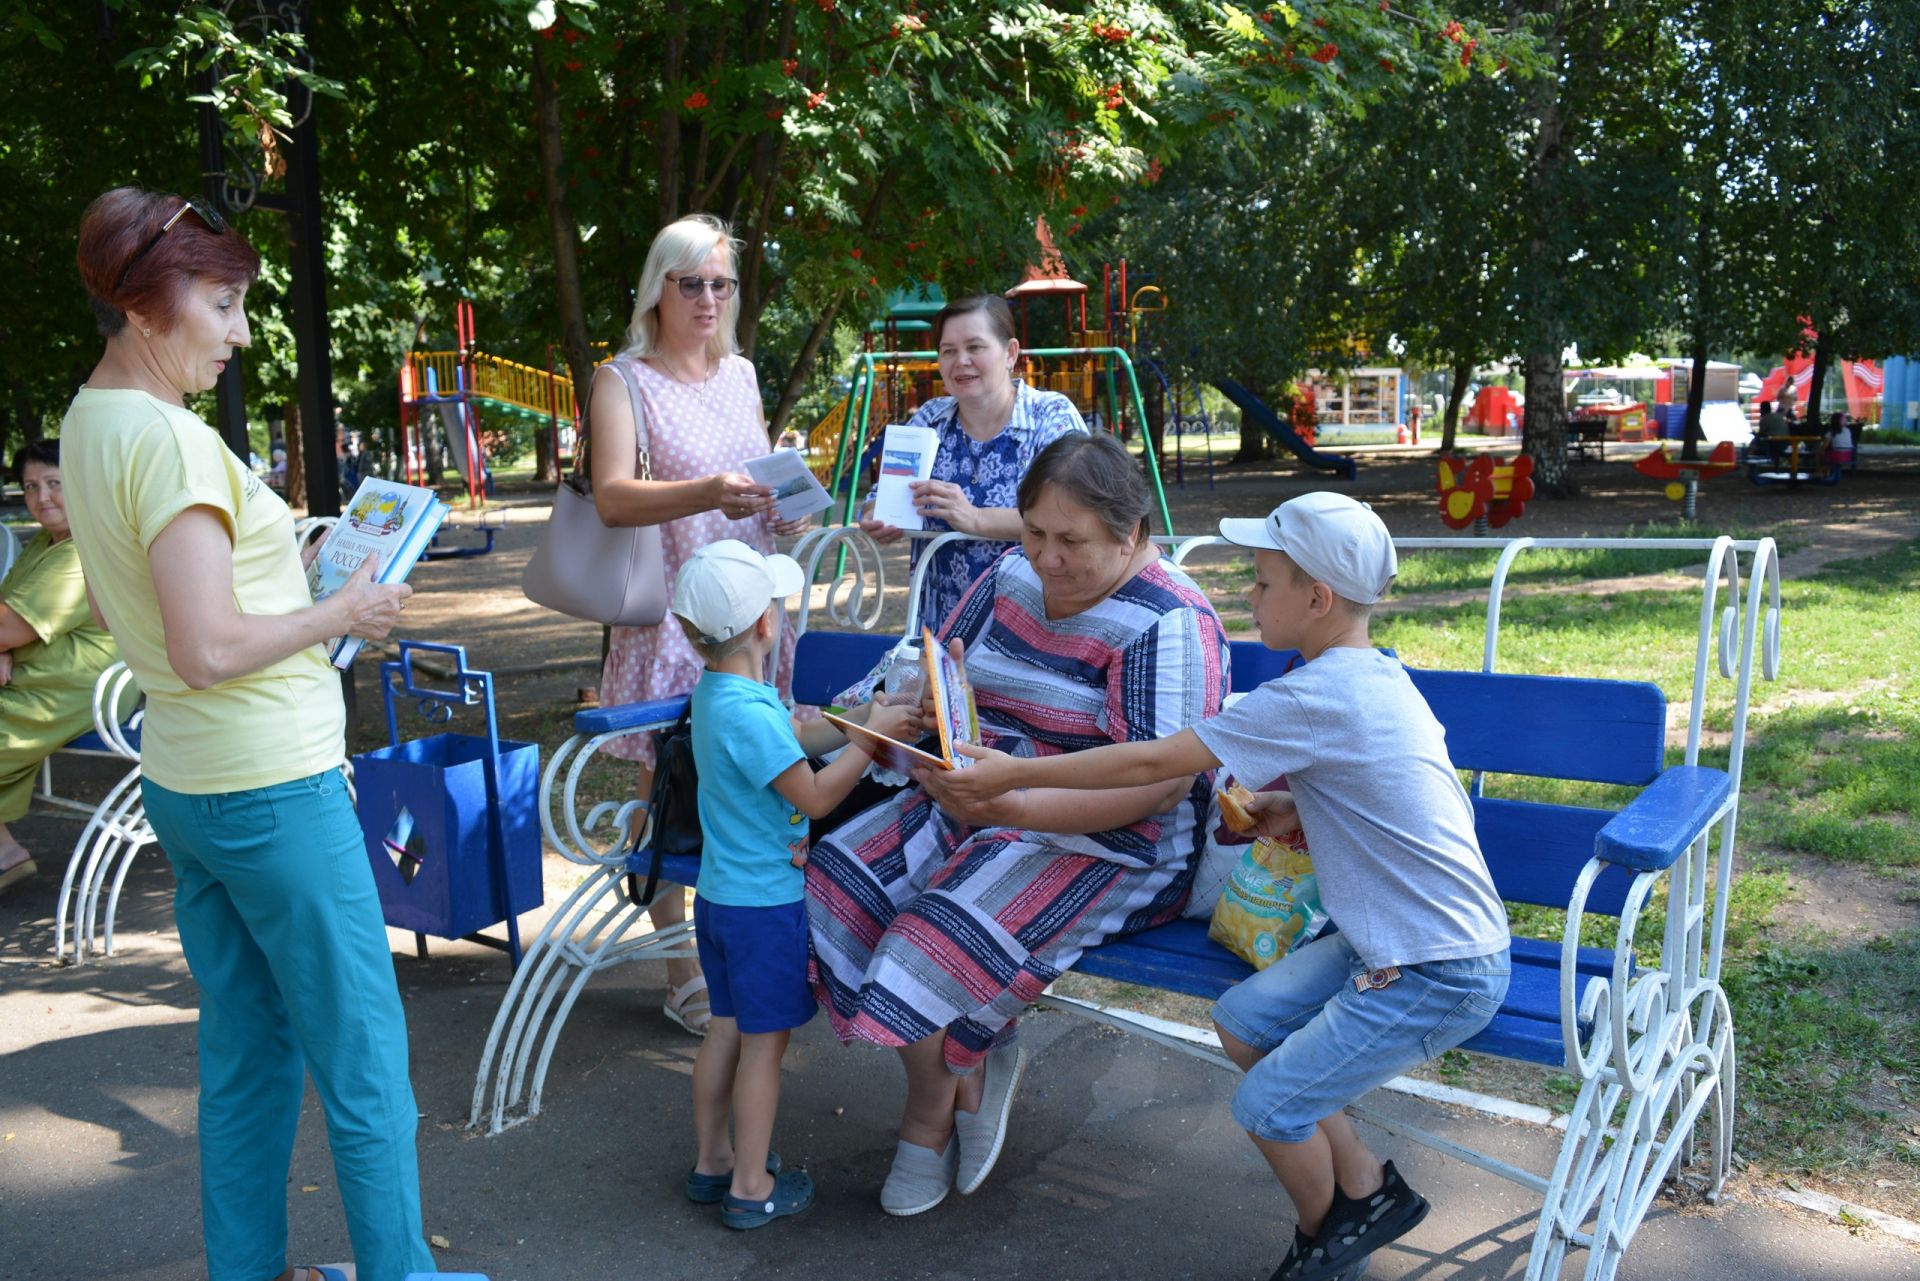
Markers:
{"x": 989, "y": 472}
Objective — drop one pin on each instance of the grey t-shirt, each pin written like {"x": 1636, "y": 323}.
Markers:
{"x": 1387, "y": 822}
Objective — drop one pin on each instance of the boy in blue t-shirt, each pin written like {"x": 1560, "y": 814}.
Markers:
{"x": 1420, "y": 962}
{"x": 757, "y": 791}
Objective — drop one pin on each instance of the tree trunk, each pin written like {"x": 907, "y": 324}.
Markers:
{"x": 296, "y": 456}
{"x": 545, "y": 466}
{"x": 26, "y": 414}
{"x": 566, "y": 240}
{"x": 797, "y": 378}
{"x": 1255, "y": 445}
{"x": 1544, "y": 438}
{"x": 1456, "y": 393}
{"x": 1691, "y": 436}
{"x": 667, "y": 157}
{"x": 803, "y": 363}
{"x": 1822, "y": 358}
{"x": 763, "y": 180}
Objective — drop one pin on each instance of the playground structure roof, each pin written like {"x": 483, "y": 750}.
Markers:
{"x": 920, "y": 303}
{"x": 1050, "y": 274}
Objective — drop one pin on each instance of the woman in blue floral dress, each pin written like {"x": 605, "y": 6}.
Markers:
{"x": 991, "y": 426}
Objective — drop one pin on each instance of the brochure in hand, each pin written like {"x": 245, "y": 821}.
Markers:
{"x": 955, "y": 718}
{"x": 387, "y": 519}
{"x": 796, "y": 491}
{"x": 906, "y": 456}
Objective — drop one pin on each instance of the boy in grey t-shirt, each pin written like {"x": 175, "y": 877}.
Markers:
{"x": 1419, "y": 962}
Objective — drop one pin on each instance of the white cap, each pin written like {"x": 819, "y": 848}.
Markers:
{"x": 726, "y": 585}
{"x": 1336, "y": 540}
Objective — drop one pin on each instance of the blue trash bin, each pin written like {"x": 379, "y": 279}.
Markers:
{"x": 451, "y": 821}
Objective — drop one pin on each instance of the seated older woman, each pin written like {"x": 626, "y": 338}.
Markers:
{"x": 50, "y": 651}
{"x": 935, "y": 925}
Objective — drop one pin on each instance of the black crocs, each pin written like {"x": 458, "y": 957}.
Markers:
{"x": 1354, "y": 1228}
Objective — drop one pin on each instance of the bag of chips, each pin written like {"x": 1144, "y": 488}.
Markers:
{"x": 1271, "y": 903}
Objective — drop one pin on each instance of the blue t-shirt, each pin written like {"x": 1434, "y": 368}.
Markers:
{"x": 742, "y": 741}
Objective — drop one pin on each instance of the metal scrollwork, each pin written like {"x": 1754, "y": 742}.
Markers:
{"x": 248, "y": 165}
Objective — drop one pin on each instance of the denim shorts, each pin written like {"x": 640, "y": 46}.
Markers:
{"x": 1326, "y": 1043}
{"x": 755, "y": 959}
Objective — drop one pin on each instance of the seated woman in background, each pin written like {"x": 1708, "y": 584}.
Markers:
{"x": 50, "y": 651}
{"x": 991, "y": 427}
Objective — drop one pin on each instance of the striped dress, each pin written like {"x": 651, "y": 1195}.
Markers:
{"x": 920, "y": 923}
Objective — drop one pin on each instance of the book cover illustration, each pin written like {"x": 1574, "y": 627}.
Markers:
{"x": 386, "y": 519}
{"x": 955, "y": 718}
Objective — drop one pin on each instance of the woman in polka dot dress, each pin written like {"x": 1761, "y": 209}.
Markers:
{"x": 703, "y": 420}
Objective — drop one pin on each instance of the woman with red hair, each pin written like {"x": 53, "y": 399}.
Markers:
{"x": 192, "y": 563}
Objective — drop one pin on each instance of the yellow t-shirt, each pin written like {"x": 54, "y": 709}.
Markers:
{"x": 130, "y": 464}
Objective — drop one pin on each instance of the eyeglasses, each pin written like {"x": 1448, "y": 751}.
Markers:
{"x": 694, "y": 286}
{"x": 207, "y": 214}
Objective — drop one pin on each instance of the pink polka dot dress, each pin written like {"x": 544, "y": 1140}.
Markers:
{"x": 693, "y": 432}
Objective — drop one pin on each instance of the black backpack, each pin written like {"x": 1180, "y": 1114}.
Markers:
{"x": 674, "y": 804}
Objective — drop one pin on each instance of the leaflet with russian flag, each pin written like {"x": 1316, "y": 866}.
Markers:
{"x": 906, "y": 456}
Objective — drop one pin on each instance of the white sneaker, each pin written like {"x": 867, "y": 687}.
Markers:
{"x": 982, "y": 1134}
{"x": 920, "y": 1178}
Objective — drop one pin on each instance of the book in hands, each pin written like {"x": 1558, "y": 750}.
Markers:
{"x": 956, "y": 720}
{"x": 906, "y": 458}
{"x": 387, "y": 519}
{"x": 797, "y": 492}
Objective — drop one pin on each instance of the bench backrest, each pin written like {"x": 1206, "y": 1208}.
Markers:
{"x": 1596, "y": 731}
{"x": 1593, "y": 731}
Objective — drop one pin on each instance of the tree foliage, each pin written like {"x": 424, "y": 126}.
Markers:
{"x": 1310, "y": 181}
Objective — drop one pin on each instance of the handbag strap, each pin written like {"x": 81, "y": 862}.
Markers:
{"x": 635, "y": 894}
{"x": 642, "y": 437}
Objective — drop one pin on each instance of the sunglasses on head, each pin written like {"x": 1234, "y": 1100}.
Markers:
{"x": 206, "y": 213}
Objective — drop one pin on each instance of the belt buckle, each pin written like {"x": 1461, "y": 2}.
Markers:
{"x": 1374, "y": 980}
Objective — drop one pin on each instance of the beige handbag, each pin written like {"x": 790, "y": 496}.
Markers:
{"x": 583, "y": 568}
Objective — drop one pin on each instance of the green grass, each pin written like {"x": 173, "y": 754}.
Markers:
{"x": 1889, "y": 436}
{"x": 1828, "y": 1044}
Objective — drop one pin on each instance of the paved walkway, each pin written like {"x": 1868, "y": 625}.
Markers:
{"x": 1122, "y": 1161}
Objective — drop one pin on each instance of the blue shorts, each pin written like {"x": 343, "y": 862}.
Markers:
{"x": 756, "y": 963}
{"x": 1326, "y": 1043}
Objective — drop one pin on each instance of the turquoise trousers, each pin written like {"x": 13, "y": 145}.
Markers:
{"x": 281, "y": 926}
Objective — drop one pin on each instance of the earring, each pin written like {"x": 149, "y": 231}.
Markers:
{"x": 146, "y": 333}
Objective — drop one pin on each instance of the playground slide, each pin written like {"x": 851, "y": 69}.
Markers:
{"x": 1282, "y": 431}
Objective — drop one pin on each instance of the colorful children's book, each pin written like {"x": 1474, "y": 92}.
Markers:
{"x": 955, "y": 718}
{"x": 385, "y": 518}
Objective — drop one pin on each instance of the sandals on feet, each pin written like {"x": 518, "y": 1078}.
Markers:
{"x": 16, "y": 874}
{"x": 323, "y": 1272}
{"x": 792, "y": 1193}
{"x": 711, "y": 1189}
{"x": 688, "y": 1005}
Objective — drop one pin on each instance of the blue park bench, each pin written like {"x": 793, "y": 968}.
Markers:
{"x": 1651, "y": 1043}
